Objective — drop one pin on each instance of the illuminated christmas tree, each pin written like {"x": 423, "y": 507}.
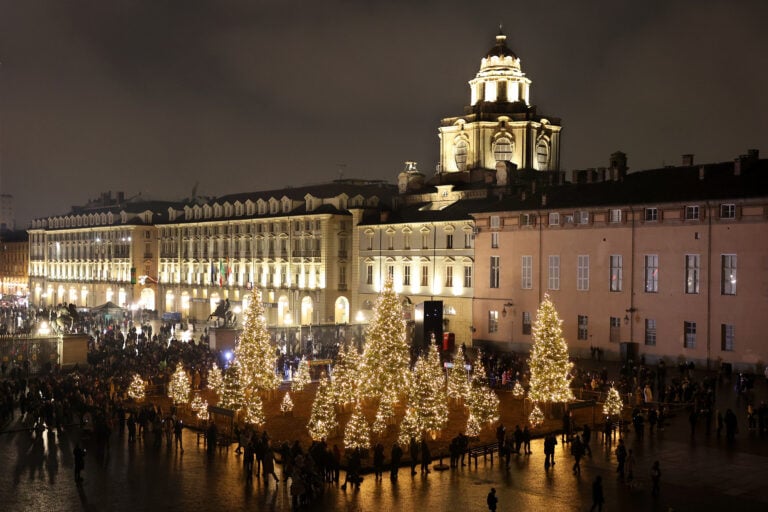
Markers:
{"x": 613, "y": 404}
{"x": 518, "y": 390}
{"x": 409, "y": 427}
{"x": 287, "y": 404}
{"x": 427, "y": 395}
{"x": 322, "y": 419}
{"x": 202, "y": 412}
{"x": 357, "y": 434}
{"x": 232, "y": 396}
{"x": 215, "y": 380}
{"x": 548, "y": 361}
{"x": 254, "y": 410}
{"x": 384, "y": 415}
{"x": 386, "y": 358}
{"x": 346, "y": 376}
{"x": 301, "y": 377}
{"x": 178, "y": 387}
{"x": 473, "y": 427}
{"x": 254, "y": 352}
{"x": 197, "y": 403}
{"x": 536, "y": 417}
{"x": 458, "y": 382}
{"x": 138, "y": 388}
{"x": 482, "y": 402}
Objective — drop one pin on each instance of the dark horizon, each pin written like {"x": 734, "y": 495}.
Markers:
{"x": 153, "y": 97}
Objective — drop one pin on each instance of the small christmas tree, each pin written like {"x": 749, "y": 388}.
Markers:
{"x": 384, "y": 415}
{"x": 202, "y": 411}
{"x": 301, "y": 378}
{"x": 322, "y": 419}
{"x": 549, "y": 363}
{"x": 517, "y": 390}
{"x": 473, "y": 427}
{"x": 254, "y": 410}
{"x": 215, "y": 379}
{"x": 458, "y": 382}
{"x": 346, "y": 376}
{"x": 138, "y": 388}
{"x": 254, "y": 352}
{"x": 197, "y": 403}
{"x": 427, "y": 395}
{"x": 536, "y": 417}
{"x": 232, "y": 396}
{"x": 287, "y": 404}
{"x": 178, "y": 387}
{"x": 409, "y": 427}
{"x": 483, "y": 404}
{"x": 613, "y": 404}
{"x": 386, "y": 358}
{"x": 357, "y": 433}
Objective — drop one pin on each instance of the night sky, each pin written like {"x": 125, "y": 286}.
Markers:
{"x": 153, "y": 96}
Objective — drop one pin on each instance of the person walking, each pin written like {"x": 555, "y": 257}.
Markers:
{"x": 177, "y": 430}
{"x": 621, "y": 457}
{"x": 527, "y": 441}
{"x": 394, "y": 465}
{"x": 655, "y": 478}
{"x": 268, "y": 465}
{"x": 378, "y": 461}
{"x": 492, "y": 500}
{"x": 586, "y": 437}
{"x": 597, "y": 494}
{"x": 577, "y": 450}
{"x": 426, "y": 457}
{"x": 550, "y": 441}
{"x": 501, "y": 434}
{"x": 79, "y": 454}
{"x": 413, "y": 450}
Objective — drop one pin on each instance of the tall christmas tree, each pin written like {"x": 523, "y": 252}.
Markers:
{"x": 322, "y": 419}
{"x": 386, "y": 358}
{"x": 427, "y": 394}
{"x": 254, "y": 352}
{"x": 548, "y": 361}
{"x": 301, "y": 378}
{"x": 178, "y": 387}
{"x": 346, "y": 376}
{"x": 215, "y": 379}
{"x": 458, "y": 383}
{"x": 357, "y": 434}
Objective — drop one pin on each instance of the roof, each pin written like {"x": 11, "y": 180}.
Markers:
{"x": 500, "y": 49}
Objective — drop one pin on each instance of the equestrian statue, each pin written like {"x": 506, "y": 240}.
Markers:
{"x": 223, "y": 314}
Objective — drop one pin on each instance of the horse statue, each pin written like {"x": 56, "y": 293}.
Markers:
{"x": 64, "y": 320}
{"x": 223, "y": 314}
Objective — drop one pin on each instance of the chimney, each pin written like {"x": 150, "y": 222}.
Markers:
{"x": 702, "y": 172}
{"x": 543, "y": 199}
{"x": 688, "y": 160}
{"x": 737, "y": 166}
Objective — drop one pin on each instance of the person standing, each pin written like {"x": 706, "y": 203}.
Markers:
{"x": 527, "y": 441}
{"x": 549, "y": 450}
{"x": 655, "y": 478}
{"x": 177, "y": 430}
{"x": 413, "y": 450}
{"x": 396, "y": 455}
{"x": 597, "y": 494}
{"x": 577, "y": 450}
{"x": 378, "y": 461}
{"x": 426, "y": 457}
{"x": 79, "y": 454}
{"x": 586, "y": 437}
{"x": 621, "y": 457}
{"x": 492, "y": 500}
{"x": 501, "y": 434}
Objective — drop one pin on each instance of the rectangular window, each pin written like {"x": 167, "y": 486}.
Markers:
{"x": 407, "y": 241}
{"x": 554, "y": 219}
{"x": 651, "y": 214}
{"x": 425, "y": 240}
{"x": 650, "y": 331}
{"x": 615, "y": 332}
{"x": 467, "y": 276}
{"x": 342, "y": 277}
{"x": 615, "y": 215}
{"x": 449, "y": 277}
{"x": 369, "y": 239}
{"x": 425, "y": 275}
{"x": 526, "y": 274}
{"x": 728, "y": 274}
{"x": 554, "y": 272}
{"x": 493, "y": 321}
{"x": 495, "y": 221}
{"x": 494, "y": 271}
{"x": 582, "y": 217}
{"x": 494, "y": 240}
{"x": 468, "y": 240}
{"x": 391, "y": 272}
{"x": 616, "y": 273}
{"x": 390, "y": 241}
{"x": 369, "y": 273}
{"x": 449, "y": 241}
{"x": 691, "y": 273}
{"x": 526, "y": 322}
{"x": 727, "y": 334}
{"x": 583, "y": 324}
{"x": 727, "y": 211}
{"x": 651, "y": 273}
{"x": 528, "y": 219}
{"x": 407, "y": 275}
{"x": 689, "y": 333}
{"x": 582, "y": 272}
{"x": 692, "y": 212}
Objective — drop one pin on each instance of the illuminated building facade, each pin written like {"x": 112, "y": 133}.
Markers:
{"x": 659, "y": 263}
{"x": 14, "y": 263}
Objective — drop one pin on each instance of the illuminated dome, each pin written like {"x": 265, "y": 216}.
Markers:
{"x": 500, "y": 78}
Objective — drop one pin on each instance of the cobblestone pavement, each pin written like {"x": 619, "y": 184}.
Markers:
{"x": 700, "y": 474}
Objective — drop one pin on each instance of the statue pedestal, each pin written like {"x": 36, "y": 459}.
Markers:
{"x": 74, "y": 350}
{"x": 222, "y": 339}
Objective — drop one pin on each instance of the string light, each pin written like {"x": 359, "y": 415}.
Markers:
{"x": 322, "y": 419}
{"x": 548, "y": 361}
{"x": 137, "y": 389}
{"x": 357, "y": 433}
{"x": 178, "y": 387}
{"x": 301, "y": 378}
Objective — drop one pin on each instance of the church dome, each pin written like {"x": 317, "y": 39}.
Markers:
{"x": 500, "y": 49}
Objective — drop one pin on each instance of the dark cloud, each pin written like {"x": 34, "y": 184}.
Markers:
{"x": 153, "y": 96}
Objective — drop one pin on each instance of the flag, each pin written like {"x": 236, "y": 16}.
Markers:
{"x": 213, "y": 273}
{"x": 221, "y": 273}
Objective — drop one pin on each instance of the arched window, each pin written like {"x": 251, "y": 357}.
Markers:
{"x": 502, "y": 149}
{"x": 461, "y": 150}
{"x": 542, "y": 153}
